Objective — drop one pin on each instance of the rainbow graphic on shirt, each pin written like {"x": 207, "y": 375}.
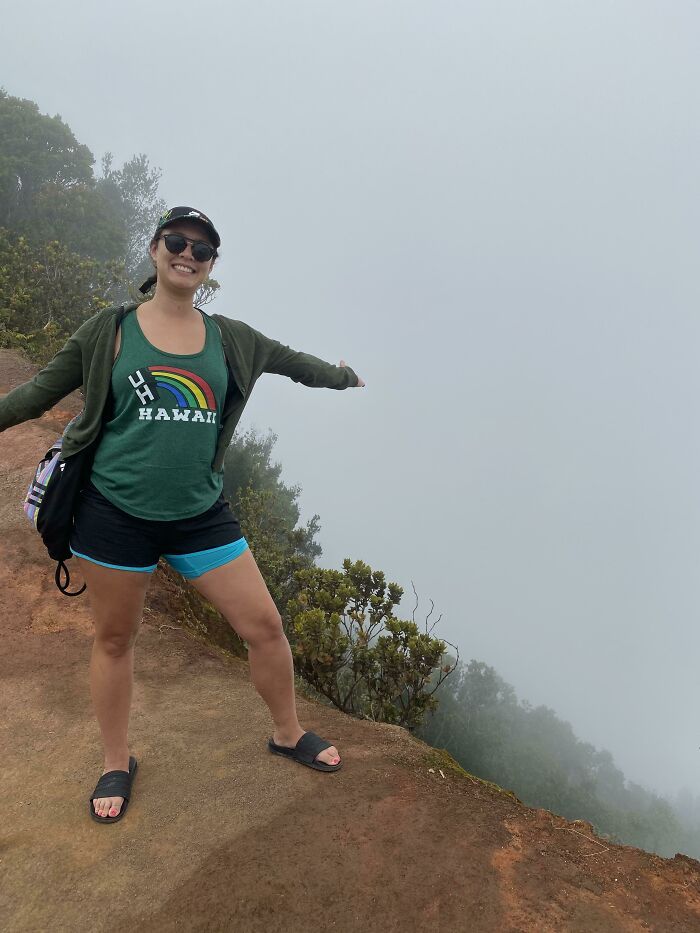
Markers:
{"x": 188, "y": 389}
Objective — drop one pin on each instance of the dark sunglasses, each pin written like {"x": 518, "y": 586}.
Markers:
{"x": 176, "y": 243}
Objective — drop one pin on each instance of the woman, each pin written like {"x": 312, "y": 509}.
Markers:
{"x": 164, "y": 390}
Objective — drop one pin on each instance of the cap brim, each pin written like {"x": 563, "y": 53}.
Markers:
{"x": 189, "y": 215}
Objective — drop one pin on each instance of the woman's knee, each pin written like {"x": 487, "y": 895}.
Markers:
{"x": 265, "y": 627}
{"x": 115, "y": 642}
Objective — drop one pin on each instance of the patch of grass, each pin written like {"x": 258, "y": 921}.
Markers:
{"x": 441, "y": 760}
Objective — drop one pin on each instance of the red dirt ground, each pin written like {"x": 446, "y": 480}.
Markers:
{"x": 220, "y": 835}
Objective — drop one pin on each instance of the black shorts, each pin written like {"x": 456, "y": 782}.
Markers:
{"x": 106, "y": 535}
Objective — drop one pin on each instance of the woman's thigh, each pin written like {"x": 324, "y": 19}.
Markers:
{"x": 238, "y": 591}
{"x": 116, "y": 598}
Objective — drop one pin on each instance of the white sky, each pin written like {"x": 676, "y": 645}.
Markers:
{"x": 489, "y": 209}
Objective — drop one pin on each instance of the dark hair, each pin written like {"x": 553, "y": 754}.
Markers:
{"x": 148, "y": 284}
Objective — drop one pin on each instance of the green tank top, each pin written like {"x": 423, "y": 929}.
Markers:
{"x": 155, "y": 457}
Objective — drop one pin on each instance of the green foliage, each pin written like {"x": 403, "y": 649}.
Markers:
{"x": 35, "y": 151}
{"x": 249, "y": 463}
{"x": 279, "y": 549}
{"x": 79, "y": 218}
{"x": 49, "y": 194}
{"x": 70, "y": 244}
{"x": 47, "y": 188}
{"x": 206, "y": 292}
{"x": 46, "y": 292}
{"x": 348, "y": 644}
{"x": 132, "y": 192}
{"x": 268, "y": 511}
{"x": 531, "y": 751}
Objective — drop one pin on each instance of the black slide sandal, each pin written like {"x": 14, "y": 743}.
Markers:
{"x": 114, "y": 784}
{"x": 305, "y": 751}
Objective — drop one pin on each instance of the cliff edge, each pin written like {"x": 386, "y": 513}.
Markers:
{"x": 221, "y": 835}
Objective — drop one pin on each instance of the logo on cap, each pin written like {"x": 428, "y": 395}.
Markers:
{"x": 184, "y": 213}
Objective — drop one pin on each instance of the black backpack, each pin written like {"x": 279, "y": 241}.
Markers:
{"x": 53, "y": 494}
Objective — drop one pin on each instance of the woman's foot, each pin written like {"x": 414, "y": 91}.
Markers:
{"x": 329, "y": 756}
{"x": 111, "y": 806}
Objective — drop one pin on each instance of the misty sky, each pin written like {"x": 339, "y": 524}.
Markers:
{"x": 490, "y": 209}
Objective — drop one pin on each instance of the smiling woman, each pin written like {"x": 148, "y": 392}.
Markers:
{"x": 165, "y": 386}
{"x": 178, "y": 229}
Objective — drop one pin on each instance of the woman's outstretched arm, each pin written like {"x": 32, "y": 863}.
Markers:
{"x": 307, "y": 369}
{"x": 57, "y": 379}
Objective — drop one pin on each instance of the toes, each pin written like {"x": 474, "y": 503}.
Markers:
{"x": 116, "y": 806}
{"x": 329, "y": 756}
{"x": 108, "y": 806}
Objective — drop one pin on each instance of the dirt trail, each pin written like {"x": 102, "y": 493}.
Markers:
{"x": 221, "y": 835}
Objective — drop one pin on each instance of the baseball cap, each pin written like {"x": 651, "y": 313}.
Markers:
{"x": 189, "y": 213}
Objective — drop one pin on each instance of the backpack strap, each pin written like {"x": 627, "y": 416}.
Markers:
{"x": 121, "y": 314}
{"x": 61, "y": 569}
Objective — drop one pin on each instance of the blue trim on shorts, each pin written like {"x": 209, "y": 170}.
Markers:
{"x": 195, "y": 564}
{"x": 114, "y": 566}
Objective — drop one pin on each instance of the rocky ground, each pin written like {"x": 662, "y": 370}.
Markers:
{"x": 221, "y": 835}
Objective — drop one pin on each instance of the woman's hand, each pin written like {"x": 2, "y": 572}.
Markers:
{"x": 360, "y": 382}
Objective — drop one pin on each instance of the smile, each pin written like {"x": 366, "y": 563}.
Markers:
{"x": 181, "y": 268}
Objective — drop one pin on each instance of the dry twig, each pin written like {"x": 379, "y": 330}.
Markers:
{"x": 584, "y": 836}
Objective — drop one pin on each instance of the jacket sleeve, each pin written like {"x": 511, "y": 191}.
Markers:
{"x": 59, "y": 378}
{"x": 303, "y": 367}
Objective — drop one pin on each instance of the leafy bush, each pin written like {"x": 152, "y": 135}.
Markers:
{"x": 348, "y": 644}
{"x": 46, "y": 292}
{"x": 268, "y": 511}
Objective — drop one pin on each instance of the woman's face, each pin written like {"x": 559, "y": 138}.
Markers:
{"x": 181, "y": 271}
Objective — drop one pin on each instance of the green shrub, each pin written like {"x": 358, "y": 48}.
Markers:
{"x": 352, "y": 649}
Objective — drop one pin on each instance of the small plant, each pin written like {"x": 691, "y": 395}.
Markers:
{"x": 352, "y": 649}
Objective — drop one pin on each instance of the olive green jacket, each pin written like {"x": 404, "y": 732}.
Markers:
{"x": 87, "y": 359}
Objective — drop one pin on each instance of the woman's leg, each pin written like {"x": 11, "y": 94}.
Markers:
{"x": 238, "y": 591}
{"x": 116, "y": 600}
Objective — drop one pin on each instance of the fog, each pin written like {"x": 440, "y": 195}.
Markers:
{"x": 490, "y": 210}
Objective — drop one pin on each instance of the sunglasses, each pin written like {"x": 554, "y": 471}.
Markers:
{"x": 176, "y": 243}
